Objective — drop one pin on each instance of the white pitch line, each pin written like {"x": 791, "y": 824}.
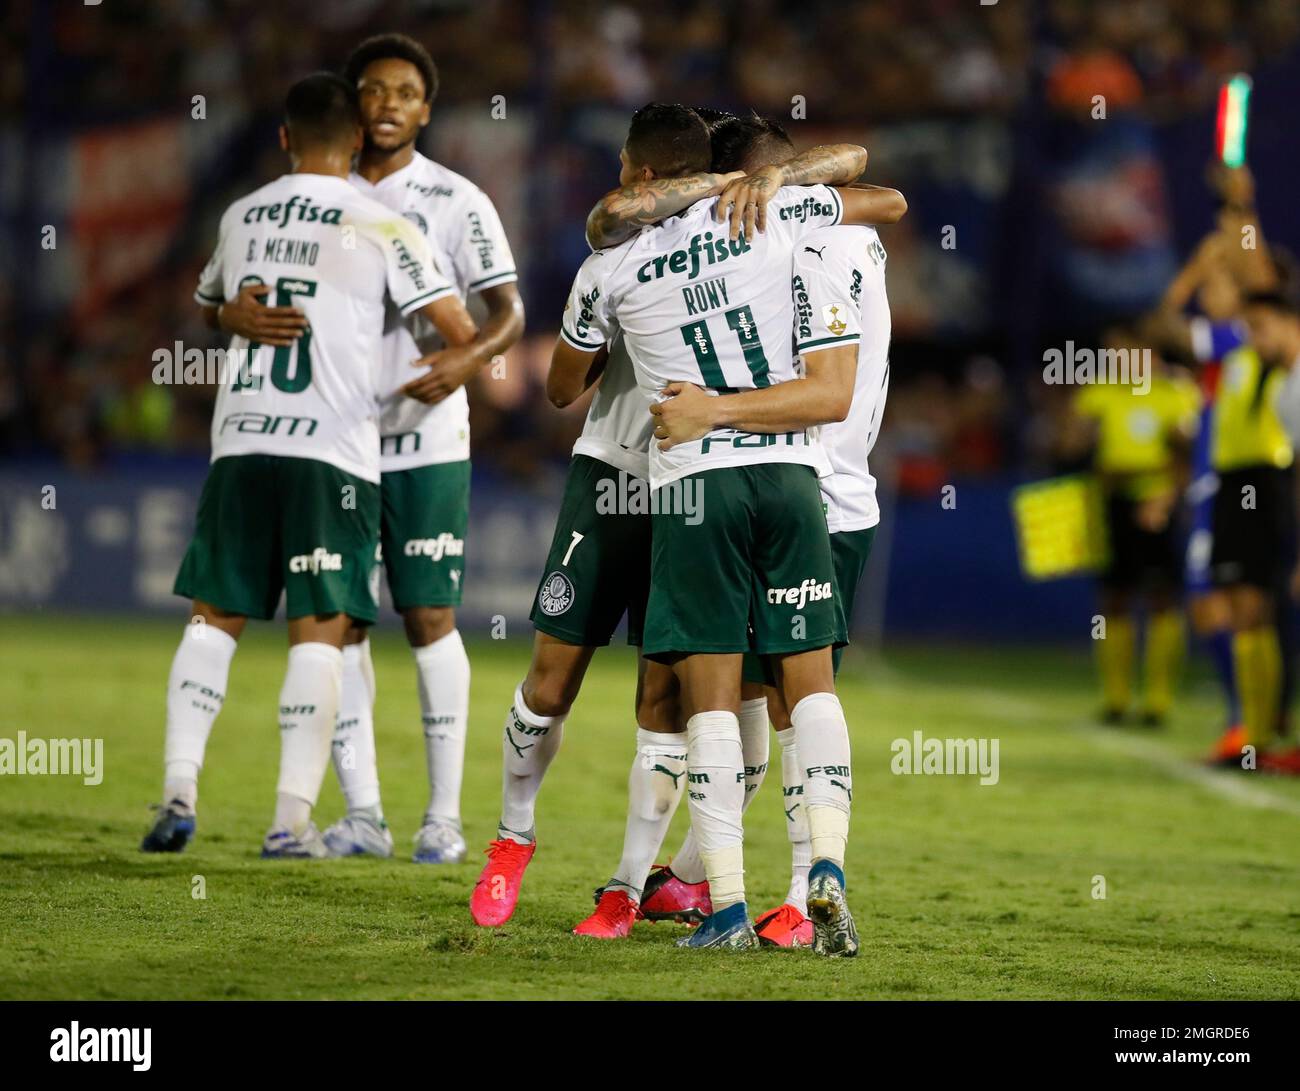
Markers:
{"x": 1229, "y": 785}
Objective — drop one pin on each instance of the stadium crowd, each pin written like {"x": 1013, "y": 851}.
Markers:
{"x": 81, "y": 391}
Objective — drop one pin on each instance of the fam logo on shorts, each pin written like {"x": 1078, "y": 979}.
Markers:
{"x": 556, "y": 594}
{"x": 445, "y": 545}
{"x": 317, "y": 561}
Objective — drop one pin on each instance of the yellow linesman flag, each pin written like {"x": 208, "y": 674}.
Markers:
{"x": 1060, "y": 527}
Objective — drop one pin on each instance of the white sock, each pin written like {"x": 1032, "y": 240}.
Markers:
{"x": 687, "y": 864}
{"x": 309, "y": 705}
{"x": 196, "y": 689}
{"x": 796, "y": 821}
{"x": 529, "y": 745}
{"x": 354, "y": 735}
{"x": 443, "y": 669}
{"x": 822, "y": 738}
{"x": 654, "y": 788}
{"x": 716, "y": 796}
{"x": 753, "y": 744}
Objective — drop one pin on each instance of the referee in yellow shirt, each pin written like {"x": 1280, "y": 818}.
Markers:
{"x": 1254, "y": 509}
{"x": 1141, "y": 439}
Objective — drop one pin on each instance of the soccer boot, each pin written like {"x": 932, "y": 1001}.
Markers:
{"x": 615, "y": 914}
{"x": 727, "y": 928}
{"x": 497, "y": 890}
{"x": 1227, "y": 751}
{"x": 283, "y": 844}
{"x": 1285, "y": 762}
{"x": 784, "y": 926}
{"x": 172, "y": 829}
{"x": 833, "y": 932}
{"x": 666, "y": 898}
{"x": 439, "y": 842}
{"x": 359, "y": 834}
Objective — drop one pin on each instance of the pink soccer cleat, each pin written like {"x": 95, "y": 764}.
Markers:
{"x": 613, "y": 919}
{"x": 784, "y": 926}
{"x": 497, "y": 890}
{"x": 667, "y": 898}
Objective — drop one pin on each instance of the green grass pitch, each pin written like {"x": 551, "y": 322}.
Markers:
{"x": 959, "y": 890}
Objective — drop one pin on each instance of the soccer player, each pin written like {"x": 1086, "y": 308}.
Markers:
{"x": 424, "y": 459}
{"x": 839, "y": 288}
{"x": 761, "y": 551}
{"x": 1216, "y": 275}
{"x": 1273, "y": 319}
{"x": 1251, "y": 455}
{"x": 1141, "y": 443}
{"x": 598, "y": 570}
{"x": 291, "y": 503}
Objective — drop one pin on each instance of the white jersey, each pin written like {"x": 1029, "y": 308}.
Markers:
{"x": 618, "y": 427}
{"x": 839, "y": 299}
{"x": 338, "y": 256}
{"x": 697, "y": 307}
{"x": 466, "y": 235}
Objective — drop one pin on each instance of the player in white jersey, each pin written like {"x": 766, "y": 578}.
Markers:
{"x": 842, "y": 330}
{"x": 597, "y": 570}
{"x": 291, "y": 503}
{"x": 425, "y": 450}
{"x": 760, "y": 556}
{"x": 681, "y": 892}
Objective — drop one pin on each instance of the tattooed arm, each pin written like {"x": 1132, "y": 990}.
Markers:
{"x": 622, "y": 212}
{"x": 745, "y": 199}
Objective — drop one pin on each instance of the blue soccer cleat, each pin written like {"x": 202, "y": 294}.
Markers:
{"x": 439, "y": 841}
{"x": 283, "y": 844}
{"x": 727, "y": 928}
{"x": 834, "y": 934}
{"x": 359, "y": 835}
{"x": 172, "y": 829}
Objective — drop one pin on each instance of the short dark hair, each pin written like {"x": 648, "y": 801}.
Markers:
{"x": 711, "y": 116}
{"x": 401, "y": 46}
{"x": 322, "y": 109}
{"x": 669, "y": 138}
{"x": 747, "y": 143}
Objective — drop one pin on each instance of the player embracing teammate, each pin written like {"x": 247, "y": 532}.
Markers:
{"x": 292, "y": 501}
{"x": 422, "y": 449}
{"x": 695, "y": 306}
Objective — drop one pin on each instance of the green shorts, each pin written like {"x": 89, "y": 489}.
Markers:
{"x": 268, "y": 524}
{"x": 751, "y": 568}
{"x": 849, "y": 552}
{"x": 598, "y": 568}
{"x": 425, "y": 514}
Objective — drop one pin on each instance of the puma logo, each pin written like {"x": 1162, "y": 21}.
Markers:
{"x": 518, "y": 749}
{"x": 674, "y": 777}
{"x": 789, "y": 815}
{"x": 810, "y": 250}
{"x": 843, "y": 787}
